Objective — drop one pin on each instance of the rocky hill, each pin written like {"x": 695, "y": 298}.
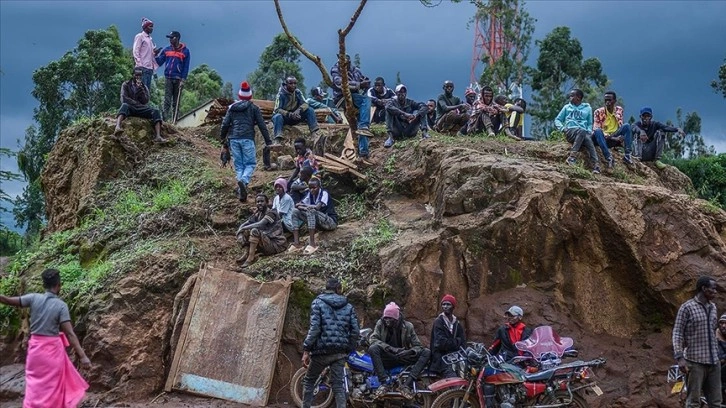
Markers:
{"x": 606, "y": 259}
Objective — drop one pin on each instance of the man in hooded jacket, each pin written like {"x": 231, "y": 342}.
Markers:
{"x": 333, "y": 333}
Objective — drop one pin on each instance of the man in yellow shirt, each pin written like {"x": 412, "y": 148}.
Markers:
{"x": 610, "y": 131}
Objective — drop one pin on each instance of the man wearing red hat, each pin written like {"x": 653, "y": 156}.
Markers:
{"x": 394, "y": 343}
{"x": 447, "y": 336}
{"x": 238, "y": 137}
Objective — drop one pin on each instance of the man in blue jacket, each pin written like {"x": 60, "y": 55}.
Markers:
{"x": 333, "y": 333}
{"x": 176, "y": 57}
{"x": 575, "y": 121}
{"x": 238, "y": 137}
{"x": 291, "y": 109}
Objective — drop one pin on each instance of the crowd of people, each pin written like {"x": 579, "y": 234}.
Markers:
{"x": 334, "y": 332}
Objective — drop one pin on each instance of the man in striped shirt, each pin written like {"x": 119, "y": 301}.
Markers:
{"x": 695, "y": 346}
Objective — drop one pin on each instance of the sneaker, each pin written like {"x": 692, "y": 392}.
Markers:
{"x": 571, "y": 160}
{"x": 425, "y": 134}
{"x": 596, "y": 170}
{"x": 242, "y": 192}
{"x": 660, "y": 165}
{"x": 389, "y": 142}
{"x": 491, "y": 133}
{"x": 627, "y": 160}
{"x": 380, "y": 391}
{"x": 364, "y": 132}
{"x": 611, "y": 162}
{"x": 406, "y": 392}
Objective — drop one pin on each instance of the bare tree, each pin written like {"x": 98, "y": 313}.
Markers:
{"x": 350, "y": 113}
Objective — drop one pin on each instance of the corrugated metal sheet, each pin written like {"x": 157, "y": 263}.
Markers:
{"x": 229, "y": 345}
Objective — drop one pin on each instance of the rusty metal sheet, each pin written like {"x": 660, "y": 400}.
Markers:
{"x": 229, "y": 344}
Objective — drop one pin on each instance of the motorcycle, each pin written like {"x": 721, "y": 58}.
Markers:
{"x": 678, "y": 379}
{"x": 361, "y": 383}
{"x": 560, "y": 386}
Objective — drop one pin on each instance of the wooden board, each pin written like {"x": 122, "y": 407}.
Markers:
{"x": 229, "y": 343}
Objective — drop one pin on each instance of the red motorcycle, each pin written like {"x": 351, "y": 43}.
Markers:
{"x": 561, "y": 386}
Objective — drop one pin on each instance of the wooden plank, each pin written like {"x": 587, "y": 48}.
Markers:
{"x": 232, "y": 338}
{"x": 358, "y": 174}
{"x": 342, "y": 161}
{"x": 336, "y": 170}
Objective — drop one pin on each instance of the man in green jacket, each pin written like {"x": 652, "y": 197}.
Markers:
{"x": 395, "y": 343}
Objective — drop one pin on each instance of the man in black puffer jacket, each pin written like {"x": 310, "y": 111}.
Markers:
{"x": 333, "y": 333}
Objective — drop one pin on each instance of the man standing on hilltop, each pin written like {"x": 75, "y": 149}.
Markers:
{"x": 575, "y": 121}
{"x": 145, "y": 51}
{"x": 238, "y": 137}
{"x": 695, "y": 345}
{"x": 176, "y": 57}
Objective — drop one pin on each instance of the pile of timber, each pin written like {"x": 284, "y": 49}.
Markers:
{"x": 339, "y": 165}
{"x": 219, "y": 109}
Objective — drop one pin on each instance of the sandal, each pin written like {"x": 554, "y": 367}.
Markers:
{"x": 309, "y": 250}
{"x": 294, "y": 248}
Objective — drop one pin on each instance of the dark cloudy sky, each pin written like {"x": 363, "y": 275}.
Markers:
{"x": 658, "y": 53}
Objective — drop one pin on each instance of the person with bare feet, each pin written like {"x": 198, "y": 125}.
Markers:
{"x": 262, "y": 231}
{"x": 134, "y": 102}
{"x": 318, "y": 210}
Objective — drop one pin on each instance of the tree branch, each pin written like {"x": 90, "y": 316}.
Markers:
{"x": 352, "y": 19}
{"x": 312, "y": 57}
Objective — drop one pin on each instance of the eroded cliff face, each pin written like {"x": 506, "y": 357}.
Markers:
{"x": 605, "y": 259}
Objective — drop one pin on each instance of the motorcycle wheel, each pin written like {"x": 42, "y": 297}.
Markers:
{"x": 454, "y": 399}
{"x": 323, "y": 399}
{"x": 559, "y": 397}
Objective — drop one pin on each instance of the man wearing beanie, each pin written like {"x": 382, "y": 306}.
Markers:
{"x": 333, "y": 333}
{"x": 447, "y": 336}
{"x": 513, "y": 331}
{"x": 144, "y": 51}
{"x": 394, "y": 343}
{"x": 283, "y": 203}
{"x": 238, "y": 137}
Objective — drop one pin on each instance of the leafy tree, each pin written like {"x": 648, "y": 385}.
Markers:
{"x": 84, "y": 82}
{"x": 560, "y": 67}
{"x": 10, "y": 242}
{"x": 356, "y": 60}
{"x": 708, "y": 174}
{"x": 279, "y": 60}
{"x": 228, "y": 91}
{"x": 719, "y": 85}
{"x": 202, "y": 84}
{"x": 692, "y": 145}
{"x": 6, "y": 175}
{"x": 517, "y": 29}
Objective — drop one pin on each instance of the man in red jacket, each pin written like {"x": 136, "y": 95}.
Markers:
{"x": 515, "y": 330}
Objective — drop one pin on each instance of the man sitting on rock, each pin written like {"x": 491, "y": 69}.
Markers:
{"x": 451, "y": 113}
{"x": 394, "y": 343}
{"x": 610, "y": 131}
{"x": 283, "y": 203}
{"x": 575, "y": 121}
{"x": 380, "y": 95}
{"x": 305, "y": 158}
{"x": 291, "y": 109}
{"x": 134, "y": 102}
{"x": 651, "y": 137}
{"x": 318, "y": 210}
{"x": 486, "y": 116}
{"x": 263, "y": 231}
{"x": 317, "y": 101}
{"x": 470, "y": 102}
{"x": 358, "y": 85}
{"x": 430, "y": 114}
{"x": 509, "y": 110}
{"x": 404, "y": 117}
{"x": 298, "y": 189}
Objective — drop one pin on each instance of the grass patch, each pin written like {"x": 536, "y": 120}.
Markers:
{"x": 390, "y": 165}
{"x": 577, "y": 171}
{"x": 174, "y": 194}
{"x": 351, "y": 207}
{"x": 621, "y": 174}
{"x": 371, "y": 240}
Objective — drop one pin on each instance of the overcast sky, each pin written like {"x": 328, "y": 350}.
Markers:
{"x": 658, "y": 53}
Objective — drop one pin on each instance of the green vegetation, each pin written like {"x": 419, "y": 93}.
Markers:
{"x": 351, "y": 207}
{"x": 708, "y": 174}
{"x": 278, "y": 60}
{"x": 368, "y": 243}
{"x": 577, "y": 171}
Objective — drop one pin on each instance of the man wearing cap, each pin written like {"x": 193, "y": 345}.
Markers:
{"x": 575, "y": 121}
{"x": 695, "y": 345}
{"x": 513, "y": 331}
{"x": 404, "y": 117}
{"x": 291, "y": 109}
{"x": 447, "y": 336}
{"x": 238, "y": 137}
{"x": 144, "y": 51}
{"x": 451, "y": 113}
{"x": 358, "y": 85}
{"x": 176, "y": 57}
{"x": 317, "y": 101}
{"x": 262, "y": 231}
{"x": 380, "y": 95}
{"x": 610, "y": 131}
{"x": 333, "y": 333}
{"x": 134, "y": 102}
{"x": 393, "y": 343}
{"x": 650, "y": 138}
